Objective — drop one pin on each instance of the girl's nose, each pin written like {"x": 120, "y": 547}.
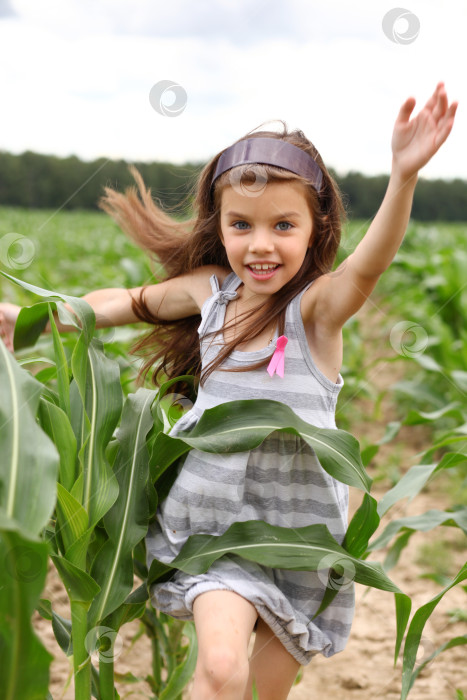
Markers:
{"x": 261, "y": 241}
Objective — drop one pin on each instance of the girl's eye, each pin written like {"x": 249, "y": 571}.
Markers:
{"x": 240, "y": 225}
{"x": 284, "y": 226}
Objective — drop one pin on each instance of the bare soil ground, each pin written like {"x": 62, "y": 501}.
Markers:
{"x": 365, "y": 670}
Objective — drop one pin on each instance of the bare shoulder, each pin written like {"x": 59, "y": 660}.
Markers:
{"x": 184, "y": 295}
{"x": 199, "y": 281}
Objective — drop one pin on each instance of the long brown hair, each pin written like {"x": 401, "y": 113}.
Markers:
{"x": 172, "y": 347}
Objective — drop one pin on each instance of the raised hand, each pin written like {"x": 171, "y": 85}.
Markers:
{"x": 8, "y": 316}
{"x": 415, "y": 141}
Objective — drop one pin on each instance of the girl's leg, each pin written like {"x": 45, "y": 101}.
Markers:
{"x": 224, "y": 622}
{"x": 272, "y": 668}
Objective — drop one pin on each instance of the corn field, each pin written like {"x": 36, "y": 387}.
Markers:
{"x": 86, "y": 457}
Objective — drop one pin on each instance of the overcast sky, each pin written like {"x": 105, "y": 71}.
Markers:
{"x": 77, "y": 75}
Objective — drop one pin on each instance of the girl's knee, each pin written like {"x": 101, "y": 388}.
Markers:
{"x": 224, "y": 668}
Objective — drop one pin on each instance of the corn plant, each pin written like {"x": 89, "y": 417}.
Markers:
{"x": 100, "y": 495}
{"x": 102, "y": 462}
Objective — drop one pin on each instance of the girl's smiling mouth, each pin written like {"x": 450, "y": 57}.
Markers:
{"x": 262, "y": 271}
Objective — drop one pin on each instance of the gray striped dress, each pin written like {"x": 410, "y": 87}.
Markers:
{"x": 281, "y": 482}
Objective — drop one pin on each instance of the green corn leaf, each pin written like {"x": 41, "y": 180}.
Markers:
{"x": 78, "y": 550}
{"x": 72, "y": 523}
{"x": 394, "y": 552}
{"x": 415, "y": 631}
{"x": 29, "y": 459}
{"x": 30, "y": 323}
{"x": 368, "y": 453}
{"x": 425, "y": 522}
{"x": 418, "y": 417}
{"x": 132, "y": 608}
{"x": 60, "y": 625}
{"x": 450, "y": 459}
{"x": 329, "y": 595}
{"x": 238, "y": 426}
{"x": 61, "y": 364}
{"x": 29, "y": 319}
{"x": 98, "y": 382}
{"x": 309, "y": 548}
{"x": 58, "y": 427}
{"x": 403, "y": 608}
{"x": 24, "y": 662}
{"x": 79, "y": 585}
{"x": 182, "y": 674}
{"x": 162, "y": 421}
{"x": 127, "y": 521}
{"x": 415, "y": 479}
{"x": 363, "y": 524}
{"x": 44, "y": 608}
{"x": 454, "y": 642}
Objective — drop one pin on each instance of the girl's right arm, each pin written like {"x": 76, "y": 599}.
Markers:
{"x": 172, "y": 299}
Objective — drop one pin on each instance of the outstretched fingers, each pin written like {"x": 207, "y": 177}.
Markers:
{"x": 439, "y": 94}
{"x": 445, "y": 124}
{"x": 406, "y": 110}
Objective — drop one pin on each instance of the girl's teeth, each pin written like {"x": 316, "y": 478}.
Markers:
{"x": 261, "y": 269}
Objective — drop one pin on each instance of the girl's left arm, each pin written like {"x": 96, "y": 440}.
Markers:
{"x": 414, "y": 142}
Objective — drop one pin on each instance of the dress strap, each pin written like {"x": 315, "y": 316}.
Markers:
{"x": 213, "y": 312}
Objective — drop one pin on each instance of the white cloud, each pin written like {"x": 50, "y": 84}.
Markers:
{"x": 239, "y": 21}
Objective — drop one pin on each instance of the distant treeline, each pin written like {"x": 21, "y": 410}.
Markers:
{"x": 33, "y": 180}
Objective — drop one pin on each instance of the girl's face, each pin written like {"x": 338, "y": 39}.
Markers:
{"x": 266, "y": 237}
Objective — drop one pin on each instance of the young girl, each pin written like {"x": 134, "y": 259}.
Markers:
{"x": 255, "y": 264}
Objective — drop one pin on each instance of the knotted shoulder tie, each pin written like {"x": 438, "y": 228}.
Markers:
{"x": 214, "y": 311}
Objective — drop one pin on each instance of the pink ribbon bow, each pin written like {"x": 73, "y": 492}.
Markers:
{"x": 277, "y": 360}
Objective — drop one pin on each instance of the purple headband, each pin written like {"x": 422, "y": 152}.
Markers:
{"x": 270, "y": 151}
